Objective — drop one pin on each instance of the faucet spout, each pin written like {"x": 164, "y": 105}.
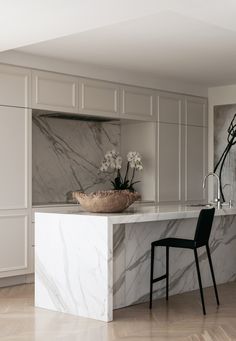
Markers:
{"x": 218, "y": 187}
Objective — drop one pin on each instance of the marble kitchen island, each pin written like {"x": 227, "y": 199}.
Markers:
{"x": 90, "y": 264}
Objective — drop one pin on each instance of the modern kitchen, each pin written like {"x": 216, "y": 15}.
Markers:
{"x": 111, "y": 167}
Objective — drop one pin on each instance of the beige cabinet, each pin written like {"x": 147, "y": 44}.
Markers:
{"x": 56, "y": 92}
{"x": 15, "y": 170}
{"x": 14, "y": 241}
{"x": 195, "y": 148}
{"x": 181, "y": 148}
{"x": 15, "y": 86}
{"x": 138, "y": 103}
{"x": 14, "y": 156}
{"x": 15, "y": 193}
{"x": 169, "y": 162}
{"x": 98, "y": 98}
{"x": 196, "y": 111}
{"x": 170, "y": 107}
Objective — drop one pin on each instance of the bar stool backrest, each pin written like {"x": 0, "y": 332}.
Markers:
{"x": 204, "y": 225}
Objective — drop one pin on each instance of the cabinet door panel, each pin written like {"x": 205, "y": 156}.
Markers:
{"x": 137, "y": 103}
{"x": 195, "y": 163}
{"x": 169, "y": 162}
{"x": 170, "y": 108}
{"x": 195, "y": 111}
{"x": 13, "y": 243}
{"x": 14, "y": 150}
{"x": 98, "y": 98}
{"x": 14, "y": 86}
{"x": 53, "y": 91}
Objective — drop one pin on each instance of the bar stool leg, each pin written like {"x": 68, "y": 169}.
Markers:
{"x": 167, "y": 273}
{"x": 199, "y": 281}
{"x": 212, "y": 274}
{"x": 151, "y": 276}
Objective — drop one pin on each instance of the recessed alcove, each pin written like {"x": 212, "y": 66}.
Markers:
{"x": 67, "y": 151}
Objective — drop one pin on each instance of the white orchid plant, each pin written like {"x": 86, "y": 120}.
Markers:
{"x": 113, "y": 160}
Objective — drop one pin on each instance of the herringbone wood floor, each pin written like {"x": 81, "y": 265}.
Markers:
{"x": 180, "y": 319}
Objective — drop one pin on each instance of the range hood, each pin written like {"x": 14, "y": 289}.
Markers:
{"x": 76, "y": 117}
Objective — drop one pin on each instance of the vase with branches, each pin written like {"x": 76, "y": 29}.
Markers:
{"x": 231, "y": 141}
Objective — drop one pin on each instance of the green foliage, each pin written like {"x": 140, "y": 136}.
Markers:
{"x": 120, "y": 184}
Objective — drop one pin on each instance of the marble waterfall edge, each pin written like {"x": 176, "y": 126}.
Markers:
{"x": 74, "y": 265}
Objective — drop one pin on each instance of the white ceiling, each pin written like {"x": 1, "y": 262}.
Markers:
{"x": 190, "y": 40}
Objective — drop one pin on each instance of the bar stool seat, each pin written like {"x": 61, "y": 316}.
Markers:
{"x": 201, "y": 238}
{"x": 176, "y": 242}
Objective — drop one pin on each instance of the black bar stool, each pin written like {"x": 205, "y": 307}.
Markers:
{"x": 201, "y": 238}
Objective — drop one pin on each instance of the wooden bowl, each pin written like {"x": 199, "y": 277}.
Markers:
{"x": 112, "y": 201}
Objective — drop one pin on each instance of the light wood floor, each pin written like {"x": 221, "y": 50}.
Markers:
{"x": 180, "y": 319}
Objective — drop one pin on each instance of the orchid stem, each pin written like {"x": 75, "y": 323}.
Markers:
{"x": 127, "y": 171}
{"x": 132, "y": 176}
{"x": 119, "y": 174}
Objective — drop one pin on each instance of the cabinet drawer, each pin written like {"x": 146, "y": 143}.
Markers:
{"x": 98, "y": 98}
{"x": 53, "y": 91}
{"x": 137, "y": 103}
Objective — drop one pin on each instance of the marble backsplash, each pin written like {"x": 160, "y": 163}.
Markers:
{"x": 67, "y": 156}
{"x": 223, "y": 115}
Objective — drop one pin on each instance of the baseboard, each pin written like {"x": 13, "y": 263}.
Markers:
{"x": 16, "y": 280}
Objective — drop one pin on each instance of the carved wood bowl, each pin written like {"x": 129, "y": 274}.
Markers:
{"x": 113, "y": 201}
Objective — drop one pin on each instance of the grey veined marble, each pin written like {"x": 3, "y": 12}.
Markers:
{"x": 67, "y": 156}
{"x": 223, "y": 115}
{"x": 131, "y": 258}
{"x": 90, "y": 264}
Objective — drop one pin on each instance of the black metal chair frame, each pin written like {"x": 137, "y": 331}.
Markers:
{"x": 201, "y": 238}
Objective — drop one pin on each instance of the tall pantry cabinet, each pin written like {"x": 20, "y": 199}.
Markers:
{"x": 15, "y": 171}
{"x": 181, "y": 148}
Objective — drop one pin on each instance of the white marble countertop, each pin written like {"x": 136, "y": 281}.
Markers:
{"x": 89, "y": 264}
{"x": 144, "y": 213}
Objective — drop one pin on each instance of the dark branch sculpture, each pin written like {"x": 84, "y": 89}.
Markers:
{"x": 231, "y": 140}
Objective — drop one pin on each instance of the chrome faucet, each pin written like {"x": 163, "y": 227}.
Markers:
{"x": 218, "y": 187}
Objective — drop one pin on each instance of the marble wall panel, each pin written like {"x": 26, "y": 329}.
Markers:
{"x": 67, "y": 156}
{"x": 223, "y": 115}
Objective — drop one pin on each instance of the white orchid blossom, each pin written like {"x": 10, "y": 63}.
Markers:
{"x": 118, "y": 162}
{"x": 113, "y": 160}
{"x": 135, "y": 161}
{"x": 104, "y": 166}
